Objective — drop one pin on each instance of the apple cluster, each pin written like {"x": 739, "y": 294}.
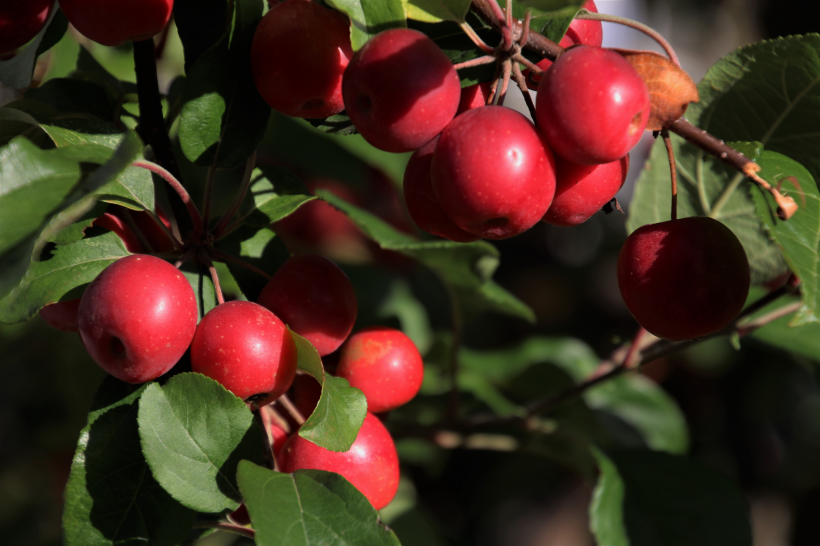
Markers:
{"x": 484, "y": 171}
{"x": 139, "y": 316}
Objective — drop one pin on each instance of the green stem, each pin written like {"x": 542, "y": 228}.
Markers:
{"x": 726, "y": 195}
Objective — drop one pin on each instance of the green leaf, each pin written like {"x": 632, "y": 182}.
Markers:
{"x": 70, "y": 96}
{"x": 111, "y": 497}
{"x": 551, "y": 5}
{"x": 91, "y": 141}
{"x": 18, "y": 71}
{"x": 369, "y": 17}
{"x": 68, "y": 267}
{"x": 275, "y": 193}
{"x": 338, "y": 124}
{"x": 646, "y": 498}
{"x": 309, "y": 507}
{"x": 434, "y": 11}
{"x": 259, "y": 247}
{"x": 467, "y": 268}
{"x": 224, "y": 117}
{"x": 203, "y": 286}
{"x": 341, "y": 410}
{"x": 799, "y": 237}
{"x": 193, "y": 433}
{"x": 702, "y": 183}
{"x": 32, "y": 183}
{"x": 634, "y": 399}
{"x": 13, "y": 123}
{"x": 201, "y": 23}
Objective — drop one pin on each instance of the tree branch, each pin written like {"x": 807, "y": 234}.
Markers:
{"x": 151, "y": 125}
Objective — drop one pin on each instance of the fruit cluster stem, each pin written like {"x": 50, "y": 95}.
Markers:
{"x": 292, "y": 409}
{"x": 240, "y": 197}
{"x": 220, "y": 256}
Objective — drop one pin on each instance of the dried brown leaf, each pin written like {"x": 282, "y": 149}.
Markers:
{"x": 671, "y": 89}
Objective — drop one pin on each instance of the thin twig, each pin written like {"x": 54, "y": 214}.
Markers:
{"x": 292, "y": 410}
{"x": 670, "y": 153}
{"x": 230, "y": 527}
{"x": 220, "y": 298}
{"x": 759, "y": 322}
{"x": 193, "y": 212}
{"x": 220, "y": 256}
{"x": 525, "y": 32}
{"x": 652, "y": 33}
{"x": 473, "y": 35}
{"x": 268, "y": 460}
{"x": 240, "y": 197}
{"x": 506, "y": 70}
{"x": 528, "y": 63}
{"x": 185, "y": 257}
{"x": 151, "y": 125}
{"x": 519, "y": 78}
{"x": 486, "y": 59}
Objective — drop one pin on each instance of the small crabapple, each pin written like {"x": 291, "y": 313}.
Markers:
{"x": 21, "y": 21}
{"x": 137, "y": 318}
{"x": 492, "y": 173}
{"x": 114, "y": 23}
{"x": 371, "y": 464}
{"x": 400, "y": 90}
{"x": 581, "y": 190}
{"x": 300, "y": 51}
{"x": 245, "y": 348}
{"x": 422, "y": 201}
{"x": 592, "y": 106}
{"x": 683, "y": 279}
{"x": 384, "y": 364}
{"x": 314, "y": 298}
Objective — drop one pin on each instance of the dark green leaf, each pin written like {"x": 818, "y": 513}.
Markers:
{"x": 309, "y": 508}
{"x": 68, "y": 267}
{"x": 71, "y": 96}
{"x": 551, "y": 5}
{"x": 76, "y": 231}
{"x": 339, "y": 124}
{"x": 203, "y": 287}
{"x": 32, "y": 183}
{"x": 467, "y": 268}
{"x": 341, "y": 410}
{"x": 275, "y": 192}
{"x": 223, "y": 113}
{"x": 18, "y": 71}
{"x": 193, "y": 433}
{"x": 799, "y": 237}
{"x": 738, "y": 102}
{"x": 201, "y": 23}
{"x": 646, "y": 498}
{"x": 13, "y": 123}
{"x": 111, "y": 497}
{"x": 434, "y": 11}
{"x": 369, "y": 17}
{"x": 259, "y": 247}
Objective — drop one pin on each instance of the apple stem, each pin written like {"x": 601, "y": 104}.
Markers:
{"x": 187, "y": 255}
{"x": 220, "y": 256}
{"x": 240, "y": 197}
{"x": 143, "y": 239}
{"x": 670, "y": 153}
{"x": 525, "y": 29}
{"x": 230, "y": 527}
{"x": 486, "y": 59}
{"x": 652, "y": 33}
{"x": 292, "y": 410}
{"x": 491, "y": 99}
{"x": 151, "y": 126}
{"x": 525, "y": 91}
{"x": 220, "y": 298}
{"x": 529, "y": 64}
{"x": 180, "y": 190}
{"x": 469, "y": 31}
{"x": 506, "y": 69}
{"x": 268, "y": 460}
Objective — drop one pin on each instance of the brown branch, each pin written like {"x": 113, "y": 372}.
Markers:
{"x": 151, "y": 125}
